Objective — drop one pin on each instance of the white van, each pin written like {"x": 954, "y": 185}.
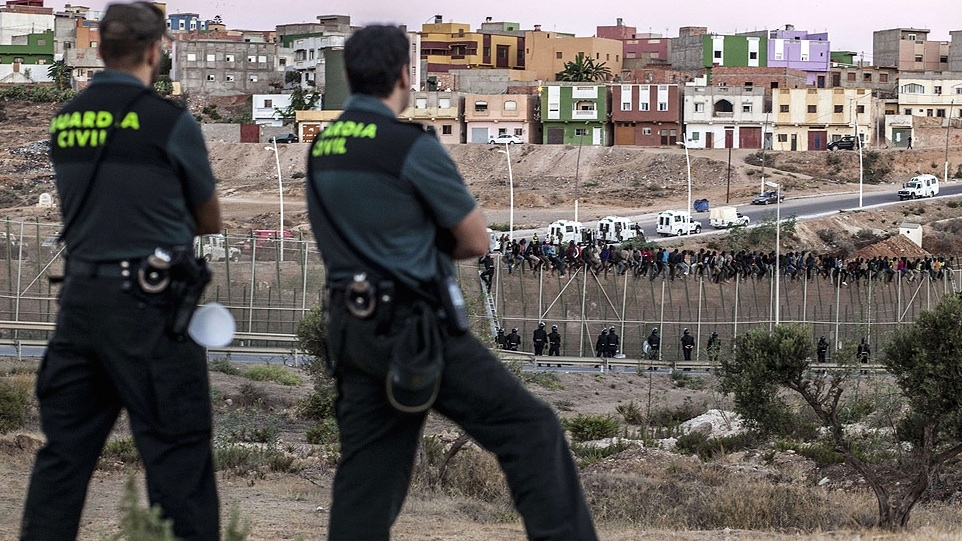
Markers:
{"x": 615, "y": 229}
{"x": 214, "y": 248}
{"x": 724, "y": 217}
{"x": 563, "y": 231}
{"x": 919, "y": 187}
{"x": 677, "y": 222}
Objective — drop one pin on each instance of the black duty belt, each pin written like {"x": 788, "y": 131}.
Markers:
{"x": 124, "y": 268}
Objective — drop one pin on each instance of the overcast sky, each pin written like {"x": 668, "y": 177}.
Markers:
{"x": 850, "y": 23}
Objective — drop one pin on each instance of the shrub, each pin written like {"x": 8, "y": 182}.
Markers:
{"x": 274, "y": 373}
{"x": 225, "y": 366}
{"x": 761, "y": 158}
{"x": 121, "y": 451}
{"x": 673, "y": 416}
{"x": 591, "y": 427}
{"x": 13, "y": 403}
{"x": 590, "y": 454}
{"x": 323, "y": 433}
{"x": 696, "y": 443}
{"x": 247, "y": 426}
{"x": 631, "y": 413}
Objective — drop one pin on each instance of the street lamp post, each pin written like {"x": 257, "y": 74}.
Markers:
{"x": 507, "y": 152}
{"x": 280, "y": 194}
{"x": 948, "y": 124}
{"x": 778, "y": 230}
{"x": 688, "y": 165}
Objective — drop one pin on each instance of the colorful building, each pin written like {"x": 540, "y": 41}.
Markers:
{"x": 810, "y": 118}
{"x": 646, "y": 115}
{"x": 447, "y": 46}
{"x": 575, "y": 114}
{"x": 490, "y": 115}
{"x": 727, "y": 117}
{"x": 800, "y": 50}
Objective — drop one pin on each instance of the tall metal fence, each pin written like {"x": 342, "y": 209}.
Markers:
{"x": 268, "y": 285}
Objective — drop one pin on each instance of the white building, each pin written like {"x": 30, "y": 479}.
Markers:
{"x": 264, "y": 108}
{"x": 726, "y": 117}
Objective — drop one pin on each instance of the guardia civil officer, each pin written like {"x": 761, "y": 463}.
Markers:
{"x": 554, "y": 342}
{"x": 514, "y": 340}
{"x": 539, "y": 338}
{"x": 687, "y": 344}
{"x": 133, "y": 176}
{"x": 390, "y": 212}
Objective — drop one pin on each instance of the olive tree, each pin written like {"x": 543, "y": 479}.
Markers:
{"x": 926, "y": 360}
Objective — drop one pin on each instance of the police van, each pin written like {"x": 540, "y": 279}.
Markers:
{"x": 564, "y": 231}
{"x": 615, "y": 229}
{"x": 677, "y": 222}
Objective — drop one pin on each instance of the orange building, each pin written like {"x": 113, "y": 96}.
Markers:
{"x": 547, "y": 52}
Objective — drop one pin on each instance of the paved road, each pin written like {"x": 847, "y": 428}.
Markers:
{"x": 802, "y": 208}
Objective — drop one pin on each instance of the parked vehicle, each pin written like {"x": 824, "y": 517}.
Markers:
{"x": 920, "y": 186}
{"x": 214, "y": 248}
{"x": 768, "y": 197}
{"x": 283, "y": 138}
{"x": 677, "y": 222}
{"x": 724, "y": 217}
{"x": 847, "y": 142}
{"x": 700, "y": 205}
{"x": 564, "y": 231}
{"x": 615, "y": 229}
{"x": 505, "y": 139}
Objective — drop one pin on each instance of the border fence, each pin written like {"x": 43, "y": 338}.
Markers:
{"x": 269, "y": 283}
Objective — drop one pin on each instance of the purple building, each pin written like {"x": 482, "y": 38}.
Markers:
{"x": 797, "y": 49}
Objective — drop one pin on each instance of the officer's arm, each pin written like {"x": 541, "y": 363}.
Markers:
{"x": 207, "y": 216}
{"x": 470, "y": 236}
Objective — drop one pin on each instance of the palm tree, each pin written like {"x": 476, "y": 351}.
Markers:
{"x": 59, "y": 71}
{"x": 584, "y": 70}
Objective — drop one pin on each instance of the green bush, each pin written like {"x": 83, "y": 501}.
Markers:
{"x": 591, "y": 427}
{"x": 695, "y": 443}
{"x": 225, "y": 366}
{"x": 247, "y": 426}
{"x": 631, "y": 413}
{"x": 588, "y": 454}
{"x": 274, "y": 373}
{"x": 324, "y": 433}
{"x": 118, "y": 451}
{"x": 13, "y": 403}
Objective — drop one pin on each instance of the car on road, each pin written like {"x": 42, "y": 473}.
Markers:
{"x": 505, "y": 139}
{"x": 847, "y": 142}
{"x": 768, "y": 197}
{"x": 283, "y": 138}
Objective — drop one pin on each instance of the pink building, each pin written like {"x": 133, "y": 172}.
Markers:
{"x": 639, "y": 49}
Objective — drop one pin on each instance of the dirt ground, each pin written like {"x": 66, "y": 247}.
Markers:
{"x": 610, "y": 180}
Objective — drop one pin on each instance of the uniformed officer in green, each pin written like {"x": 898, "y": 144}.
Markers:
{"x": 133, "y": 176}
{"x": 390, "y": 212}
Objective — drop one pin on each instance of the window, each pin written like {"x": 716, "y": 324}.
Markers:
{"x": 783, "y": 138}
{"x": 937, "y": 90}
{"x": 943, "y": 59}
{"x": 646, "y": 131}
{"x": 839, "y": 108}
{"x": 860, "y": 109}
{"x": 883, "y": 77}
{"x": 262, "y": 58}
{"x": 626, "y": 106}
{"x": 749, "y": 85}
{"x": 253, "y": 78}
{"x": 867, "y": 77}
{"x": 908, "y": 111}
{"x": 444, "y": 103}
{"x": 268, "y": 103}
{"x": 940, "y": 113}
{"x": 229, "y": 78}
{"x": 662, "y": 105}
{"x": 585, "y": 106}
{"x": 804, "y": 57}
{"x": 718, "y": 54}
{"x": 210, "y": 77}
{"x": 486, "y": 51}
{"x": 912, "y": 88}
{"x": 699, "y": 107}
{"x": 480, "y": 106}
{"x": 510, "y": 105}
{"x": 753, "y": 55}
{"x": 813, "y": 108}
{"x": 958, "y": 89}
{"x": 910, "y": 37}
{"x": 558, "y": 55}
{"x": 421, "y": 103}
{"x": 519, "y": 132}
{"x": 643, "y": 106}
{"x": 782, "y": 108}
{"x": 918, "y": 58}
{"x": 746, "y": 107}
{"x": 228, "y": 58}
{"x": 851, "y": 76}
{"x": 581, "y": 132}
{"x": 252, "y": 59}
{"x": 446, "y": 129}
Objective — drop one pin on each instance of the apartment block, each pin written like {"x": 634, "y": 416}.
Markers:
{"x": 447, "y": 46}
{"x": 575, "y": 114}
{"x": 638, "y": 49}
{"x": 928, "y": 94}
{"x": 810, "y": 118}
{"x": 646, "y": 115}
{"x": 441, "y": 110}
{"x": 800, "y": 50}
{"x": 759, "y": 77}
{"x": 726, "y": 117}
{"x": 27, "y": 59}
{"x": 225, "y": 67}
{"x": 547, "y": 52}
{"x": 909, "y": 49}
{"x": 490, "y": 115}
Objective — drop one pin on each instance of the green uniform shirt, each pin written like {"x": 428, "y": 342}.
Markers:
{"x": 388, "y": 186}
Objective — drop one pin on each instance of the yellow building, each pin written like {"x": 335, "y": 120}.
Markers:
{"x": 547, "y": 52}
{"x": 448, "y": 46}
{"x": 811, "y": 118}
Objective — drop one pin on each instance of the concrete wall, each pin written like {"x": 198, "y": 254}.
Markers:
{"x": 228, "y": 133}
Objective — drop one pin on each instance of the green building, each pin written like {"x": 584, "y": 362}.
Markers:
{"x": 576, "y": 114}
{"x": 735, "y": 51}
{"x": 37, "y": 50}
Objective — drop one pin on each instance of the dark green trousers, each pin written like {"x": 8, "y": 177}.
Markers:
{"x": 109, "y": 352}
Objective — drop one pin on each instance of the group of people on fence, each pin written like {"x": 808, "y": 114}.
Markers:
{"x": 713, "y": 265}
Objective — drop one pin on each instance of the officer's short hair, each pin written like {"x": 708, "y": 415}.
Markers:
{"x": 374, "y": 57}
{"x": 127, "y": 31}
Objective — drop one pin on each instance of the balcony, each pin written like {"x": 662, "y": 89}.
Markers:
{"x": 584, "y": 115}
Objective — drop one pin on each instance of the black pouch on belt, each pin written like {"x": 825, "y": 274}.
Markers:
{"x": 417, "y": 361}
